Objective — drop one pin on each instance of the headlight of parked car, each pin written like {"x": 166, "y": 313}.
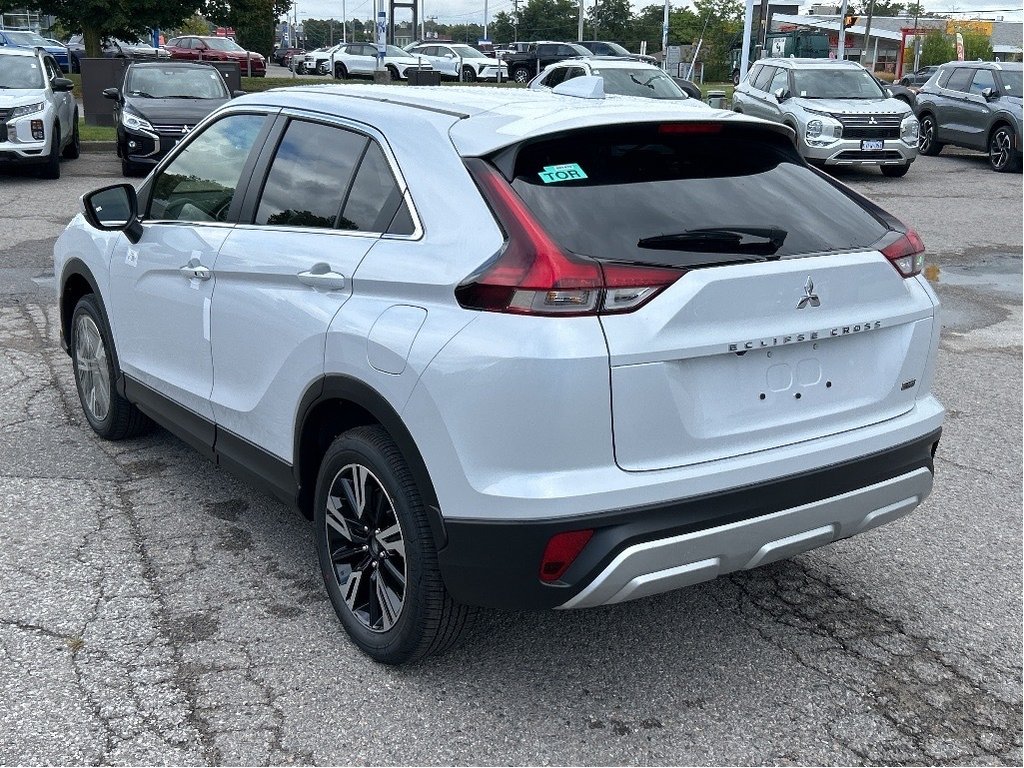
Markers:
{"x": 134, "y": 121}
{"x": 821, "y": 131}
{"x": 28, "y": 109}
{"x": 910, "y": 129}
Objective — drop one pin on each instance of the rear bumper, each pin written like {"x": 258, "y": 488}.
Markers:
{"x": 643, "y": 551}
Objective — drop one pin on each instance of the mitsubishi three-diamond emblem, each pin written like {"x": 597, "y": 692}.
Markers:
{"x": 810, "y": 298}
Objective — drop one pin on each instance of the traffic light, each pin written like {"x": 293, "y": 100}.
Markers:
{"x": 849, "y": 20}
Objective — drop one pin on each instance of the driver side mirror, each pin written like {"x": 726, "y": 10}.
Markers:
{"x": 236, "y": 94}
{"x": 989, "y": 93}
{"x": 111, "y": 93}
{"x": 781, "y": 94}
{"x": 449, "y": 55}
{"x": 888, "y": 93}
{"x": 62, "y": 85}
{"x": 114, "y": 209}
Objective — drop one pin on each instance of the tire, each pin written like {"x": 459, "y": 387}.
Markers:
{"x": 1001, "y": 154}
{"x": 365, "y": 464}
{"x": 340, "y": 73}
{"x": 468, "y": 74}
{"x": 129, "y": 169}
{"x": 51, "y": 170}
{"x": 926, "y": 143}
{"x": 74, "y": 147}
{"x": 110, "y": 415}
{"x": 322, "y": 68}
{"x": 735, "y": 77}
{"x": 521, "y": 75}
{"x": 895, "y": 171}
{"x": 393, "y": 73}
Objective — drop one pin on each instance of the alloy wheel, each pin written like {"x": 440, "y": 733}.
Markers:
{"x": 367, "y": 547}
{"x": 927, "y": 137}
{"x": 91, "y": 367}
{"x": 1000, "y": 148}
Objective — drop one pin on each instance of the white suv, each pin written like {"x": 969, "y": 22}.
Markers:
{"x": 603, "y": 364}
{"x": 460, "y": 61}
{"x": 360, "y": 60}
{"x": 38, "y": 114}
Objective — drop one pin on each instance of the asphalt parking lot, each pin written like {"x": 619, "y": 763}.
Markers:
{"x": 155, "y": 610}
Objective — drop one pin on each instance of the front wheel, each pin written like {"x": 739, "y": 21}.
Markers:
{"x": 74, "y": 147}
{"x": 51, "y": 170}
{"x": 377, "y": 552}
{"x": 895, "y": 171}
{"x": 521, "y": 75}
{"x": 1001, "y": 153}
{"x": 110, "y": 415}
{"x": 340, "y": 73}
{"x": 927, "y": 142}
{"x": 468, "y": 74}
{"x": 322, "y": 68}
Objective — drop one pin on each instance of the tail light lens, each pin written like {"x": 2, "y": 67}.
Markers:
{"x": 561, "y": 551}
{"x": 905, "y": 252}
{"x": 533, "y": 275}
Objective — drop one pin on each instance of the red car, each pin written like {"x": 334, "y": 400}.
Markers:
{"x": 195, "y": 48}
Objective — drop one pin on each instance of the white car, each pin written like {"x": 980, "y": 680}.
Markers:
{"x": 625, "y": 351}
{"x": 624, "y": 77}
{"x": 38, "y": 114}
{"x": 319, "y": 61}
{"x": 360, "y": 60}
{"x": 453, "y": 59}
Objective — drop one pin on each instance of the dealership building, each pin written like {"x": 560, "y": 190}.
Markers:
{"x": 889, "y": 35}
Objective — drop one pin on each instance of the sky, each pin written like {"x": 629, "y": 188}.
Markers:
{"x": 469, "y": 11}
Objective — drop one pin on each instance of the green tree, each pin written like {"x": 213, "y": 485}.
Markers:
{"x": 97, "y": 19}
{"x": 721, "y": 25}
{"x": 977, "y": 45}
{"x": 936, "y": 48}
{"x": 252, "y": 20}
{"x": 503, "y": 28}
{"x": 611, "y": 19}
{"x": 548, "y": 20}
{"x": 194, "y": 25}
{"x": 886, "y": 8}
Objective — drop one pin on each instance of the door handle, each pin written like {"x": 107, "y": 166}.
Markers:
{"x": 195, "y": 271}
{"x": 321, "y": 276}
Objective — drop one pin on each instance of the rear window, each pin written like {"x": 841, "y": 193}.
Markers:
{"x": 602, "y": 193}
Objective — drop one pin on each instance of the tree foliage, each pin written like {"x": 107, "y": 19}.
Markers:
{"x": 253, "y": 20}
{"x": 936, "y": 48}
{"x": 977, "y": 45}
{"x": 122, "y": 19}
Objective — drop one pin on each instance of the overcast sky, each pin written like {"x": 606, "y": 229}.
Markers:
{"x": 468, "y": 11}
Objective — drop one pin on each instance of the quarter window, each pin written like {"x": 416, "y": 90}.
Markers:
{"x": 375, "y": 198}
{"x": 301, "y": 189}
{"x": 200, "y": 183}
{"x": 982, "y": 79}
{"x": 556, "y": 76}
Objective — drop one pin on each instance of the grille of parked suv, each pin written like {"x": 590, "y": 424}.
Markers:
{"x": 170, "y": 128}
{"x": 862, "y": 127}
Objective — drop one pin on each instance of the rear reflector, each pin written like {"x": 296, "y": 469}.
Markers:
{"x": 561, "y": 551}
{"x": 906, "y": 253}
{"x": 534, "y": 275}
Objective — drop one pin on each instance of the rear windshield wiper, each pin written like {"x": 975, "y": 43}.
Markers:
{"x": 756, "y": 241}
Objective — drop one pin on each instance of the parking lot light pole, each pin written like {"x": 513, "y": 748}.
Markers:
{"x": 664, "y": 39}
{"x": 841, "y": 53}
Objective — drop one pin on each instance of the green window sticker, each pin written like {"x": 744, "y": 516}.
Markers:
{"x": 552, "y": 174}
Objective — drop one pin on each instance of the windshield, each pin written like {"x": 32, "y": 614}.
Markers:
{"x": 20, "y": 72}
{"x": 617, "y": 49}
{"x": 1012, "y": 83}
{"x": 27, "y": 38}
{"x": 394, "y": 50}
{"x": 222, "y": 44}
{"x": 646, "y": 83}
{"x": 467, "y": 52}
{"x": 175, "y": 83}
{"x": 835, "y": 84}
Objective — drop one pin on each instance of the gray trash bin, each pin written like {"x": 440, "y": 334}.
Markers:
{"x": 424, "y": 77}
{"x": 716, "y": 99}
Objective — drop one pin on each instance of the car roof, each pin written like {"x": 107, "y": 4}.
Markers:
{"x": 1006, "y": 66}
{"x": 172, "y": 63}
{"x": 482, "y": 120}
{"x": 794, "y": 63}
{"x": 607, "y": 62}
{"x": 18, "y": 51}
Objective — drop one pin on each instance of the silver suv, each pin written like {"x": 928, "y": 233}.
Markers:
{"x": 840, "y": 114}
{"x": 38, "y": 114}
{"x": 603, "y": 364}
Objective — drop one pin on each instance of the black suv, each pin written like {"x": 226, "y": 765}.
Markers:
{"x": 523, "y": 67}
{"x": 976, "y": 105}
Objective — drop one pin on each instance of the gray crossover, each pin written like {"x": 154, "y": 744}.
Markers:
{"x": 976, "y": 105}
{"x": 839, "y": 113}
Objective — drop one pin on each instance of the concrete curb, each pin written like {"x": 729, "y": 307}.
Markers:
{"x": 99, "y": 146}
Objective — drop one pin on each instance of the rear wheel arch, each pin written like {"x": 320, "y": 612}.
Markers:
{"x": 333, "y": 405}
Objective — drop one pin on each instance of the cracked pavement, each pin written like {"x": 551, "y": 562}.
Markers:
{"x": 155, "y": 610}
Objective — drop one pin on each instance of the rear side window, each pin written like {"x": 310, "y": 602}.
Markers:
{"x": 555, "y": 76}
{"x": 602, "y": 193}
{"x": 960, "y": 80}
{"x": 301, "y": 189}
{"x": 375, "y": 198}
{"x": 764, "y": 77}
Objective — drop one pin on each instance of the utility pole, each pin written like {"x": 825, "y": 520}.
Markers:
{"x": 515, "y": 26}
{"x": 867, "y": 36}
{"x": 485, "y": 20}
{"x": 579, "y": 31}
{"x": 841, "y": 54}
{"x": 917, "y": 37}
{"x": 344, "y": 23}
{"x": 664, "y": 39}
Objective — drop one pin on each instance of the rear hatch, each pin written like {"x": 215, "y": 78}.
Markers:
{"x": 786, "y": 324}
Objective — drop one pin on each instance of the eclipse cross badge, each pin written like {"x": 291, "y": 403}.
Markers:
{"x": 810, "y": 298}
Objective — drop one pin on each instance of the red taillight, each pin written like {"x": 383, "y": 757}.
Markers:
{"x": 906, "y": 253}
{"x": 690, "y": 128}
{"x": 533, "y": 275}
{"x": 561, "y": 551}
